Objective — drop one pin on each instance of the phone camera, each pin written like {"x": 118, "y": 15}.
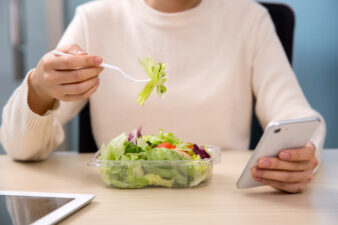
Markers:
{"x": 277, "y": 130}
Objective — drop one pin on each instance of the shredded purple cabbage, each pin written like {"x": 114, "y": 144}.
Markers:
{"x": 207, "y": 155}
{"x": 139, "y": 130}
{"x": 200, "y": 151}
{"x": 134, "y": 135}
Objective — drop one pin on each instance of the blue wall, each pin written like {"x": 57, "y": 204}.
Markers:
{"x": 35, "y": 47}
{"x": 316, "y": 58}
{"x": 71, "y": 6}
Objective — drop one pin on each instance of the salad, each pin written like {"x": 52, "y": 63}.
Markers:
{"x": 136, "y": 161}
{"x": 155, "y": 71}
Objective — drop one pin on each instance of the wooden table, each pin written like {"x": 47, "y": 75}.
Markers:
{"x": 217, "y": 203}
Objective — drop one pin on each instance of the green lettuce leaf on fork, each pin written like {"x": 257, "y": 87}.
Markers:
{"x": 155, "y": 71}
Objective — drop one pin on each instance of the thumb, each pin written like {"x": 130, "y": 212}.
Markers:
{"x": 310, "y": 145}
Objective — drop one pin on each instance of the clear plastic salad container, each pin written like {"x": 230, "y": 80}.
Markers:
{"x": 163, "y": 173}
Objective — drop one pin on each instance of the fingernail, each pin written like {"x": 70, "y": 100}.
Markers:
{"x": 310, "y": 145}
{"x": 258, "y": 172}
{"x": 285, "y": 155}
{"x": 98, "y": 60}
{"x": 264, "y": 163}
{"x": 79, "y": 52}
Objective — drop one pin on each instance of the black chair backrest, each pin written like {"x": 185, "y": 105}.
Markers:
{"x": 283, "y": 18}
{"x": 86, "y": 138}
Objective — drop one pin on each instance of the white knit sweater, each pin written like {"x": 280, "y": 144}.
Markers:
{"x": 219, "y": 55}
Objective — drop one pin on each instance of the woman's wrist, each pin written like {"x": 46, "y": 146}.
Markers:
{"x": 38, "y": 101}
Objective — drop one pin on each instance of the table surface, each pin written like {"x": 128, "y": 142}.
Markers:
{"x": 219, "y": 202}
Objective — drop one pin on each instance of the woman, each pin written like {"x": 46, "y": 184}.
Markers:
{"x": 219, "y": 54}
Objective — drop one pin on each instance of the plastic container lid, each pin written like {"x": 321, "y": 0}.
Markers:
{"x": 214, "y": 150}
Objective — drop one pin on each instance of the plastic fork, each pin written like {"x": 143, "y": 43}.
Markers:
{"x": 55, "y": 52}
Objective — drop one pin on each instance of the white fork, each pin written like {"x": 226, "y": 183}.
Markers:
{"x": 106, "y": 66}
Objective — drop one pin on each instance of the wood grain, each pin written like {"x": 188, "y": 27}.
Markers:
{"x": 219, "y": 202}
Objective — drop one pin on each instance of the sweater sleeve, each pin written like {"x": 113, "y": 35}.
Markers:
{"x": 26, "y": 135}
{"x": 276, "y": 89}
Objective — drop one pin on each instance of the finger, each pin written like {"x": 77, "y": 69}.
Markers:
{"x": 76, "y": 75}
{"x": 78, "y": 88}
{"x": 282, "y": 186}
{"x": 83, "y": 96}
{"x": 72, "y": 49}
{"x": 282, "y": 175}
{"x": 274, "y": 163}
{"x": 73, "y": 62}
{"x": 299, "y": 154}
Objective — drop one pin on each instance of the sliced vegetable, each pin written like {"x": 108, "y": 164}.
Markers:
{"x": 200, "y": 151}
{"x": 134, "y": 135}
{"x": 183, "y": 153}
{"x": 155, "y": 71}
{"x": 166, "y": 145}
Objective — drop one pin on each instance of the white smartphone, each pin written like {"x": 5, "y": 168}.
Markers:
{"x": 277, "y": 136}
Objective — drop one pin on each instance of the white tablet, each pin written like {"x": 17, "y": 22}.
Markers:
{"x": 39, "y": 208}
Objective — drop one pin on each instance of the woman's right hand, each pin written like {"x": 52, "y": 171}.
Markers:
{"x": 66, "y": 78}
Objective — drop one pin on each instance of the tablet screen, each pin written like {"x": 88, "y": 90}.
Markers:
{"x": 19, "y": 210}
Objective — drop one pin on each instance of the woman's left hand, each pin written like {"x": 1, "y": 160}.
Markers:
{"x": 290, "y": 172}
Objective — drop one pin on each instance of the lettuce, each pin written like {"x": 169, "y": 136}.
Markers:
{"x": 154, "y": 140}
{"x": 115, "y": 149}
{"x": 135, "y": 177}
{"x": 156, "y": 180}
{"x": 132, "y": 148}
{"x": 198, "y": 172}
{"x": 164, "y": 172}
{"x": 155, "y": 71}
{"x": 169, "y": 137}
{"x": 163, "y": 154}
